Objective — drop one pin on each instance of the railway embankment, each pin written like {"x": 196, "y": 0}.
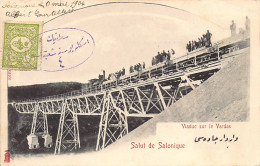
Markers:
{"x": 224, "y": 97}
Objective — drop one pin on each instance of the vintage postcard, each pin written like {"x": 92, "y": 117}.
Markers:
{"x": 130, "y": 83}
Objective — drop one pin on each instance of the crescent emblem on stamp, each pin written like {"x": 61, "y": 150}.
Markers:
{"x": 20, "y": 44}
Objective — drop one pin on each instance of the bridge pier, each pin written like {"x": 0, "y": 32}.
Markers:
{"x": 68, "y": 132}
{"x": 39, "y": 128}
{"x": 113, "y": 122}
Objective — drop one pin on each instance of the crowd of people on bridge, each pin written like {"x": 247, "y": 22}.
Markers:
{"x": 117, "y": 74}
{"x": 204, "y": 41}
{"x": 136, "y": 67}
{"x": 162, "y": 56}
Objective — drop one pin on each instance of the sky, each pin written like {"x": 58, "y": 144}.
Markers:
{"x": 124, "y": 35}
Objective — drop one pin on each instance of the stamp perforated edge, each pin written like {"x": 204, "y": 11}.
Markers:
{"x": 40, "y": 23}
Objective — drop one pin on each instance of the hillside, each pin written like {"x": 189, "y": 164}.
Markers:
{"x": 224, "y": 97}
{"x": 41, "y": 90}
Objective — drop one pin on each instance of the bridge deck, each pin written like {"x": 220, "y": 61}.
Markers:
{"x": 147, "y": 92}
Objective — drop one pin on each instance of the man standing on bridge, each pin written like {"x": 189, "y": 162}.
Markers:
{"x": 153, "y": 61}
{"x": 247, "y": 24}
{"x": 164, "y": 55}
{"x": 123, "y": 71}
{"x": 208, "y": 37}
{"x": 168, "y": 57}
{"x": 159, "y": 57}
{"x": 189, "y": 48}
{"x": 200, "y": 42}
{"x": 233, "y": 28}
{"x": 131, "y": 70}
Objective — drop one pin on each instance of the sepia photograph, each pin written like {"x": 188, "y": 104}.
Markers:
{"x": 129, "y": 83}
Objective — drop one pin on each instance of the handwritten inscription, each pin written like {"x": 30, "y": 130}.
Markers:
{"x": 56, "y": 37}
{"x": 72, "y": 4}
{"x": 65, "y": 48}
{"x": 72, "y": 48}
{"x": 32, "y": 9}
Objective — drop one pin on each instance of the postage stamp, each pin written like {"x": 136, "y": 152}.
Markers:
{"x": 21, "y": 45}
